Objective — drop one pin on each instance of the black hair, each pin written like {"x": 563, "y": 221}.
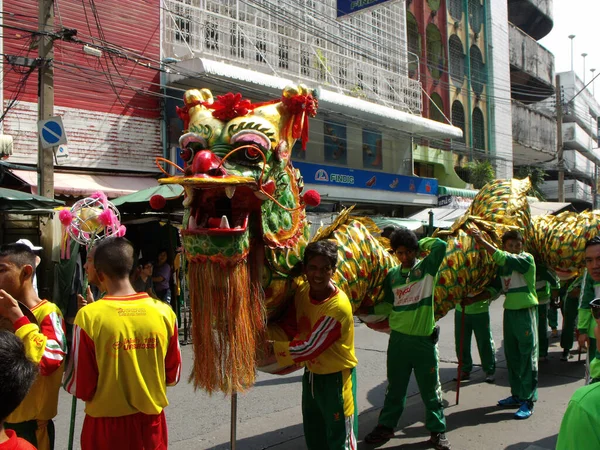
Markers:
{"x": 143, "y": 261}
{"x": 19, "y": 254}
{"x": 17, "y": 373}
{"x": 387, "y": 231}
{"x": 325, "y": 248}
{"x": 593, "y": 241}
{"x": 403, "y": 237}
{"x": 512, "y": 235}
{"x": 114, "y": 257}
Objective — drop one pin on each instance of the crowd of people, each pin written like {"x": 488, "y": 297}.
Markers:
{"x": 125, "y": 348}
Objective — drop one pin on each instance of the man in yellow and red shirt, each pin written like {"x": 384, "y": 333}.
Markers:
{"x": 45, "y": 345}
{"x": 125, "y": 354}
{"x": 324, "y": 343}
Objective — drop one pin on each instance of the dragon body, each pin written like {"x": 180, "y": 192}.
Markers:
{"x": 245, "y": 230}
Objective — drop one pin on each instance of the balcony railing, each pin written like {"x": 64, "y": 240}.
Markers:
{"x": 363, "y": 57}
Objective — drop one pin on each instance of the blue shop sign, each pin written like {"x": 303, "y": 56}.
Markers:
{"x": 355, "y": 178}
{"x": 346, "y": 7}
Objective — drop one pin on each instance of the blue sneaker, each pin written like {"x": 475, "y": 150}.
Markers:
{"x": 524, "y": 412}
{"x": 510, "y": 402}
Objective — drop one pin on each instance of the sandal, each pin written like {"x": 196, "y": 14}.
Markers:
{"x": 379, "y": 435}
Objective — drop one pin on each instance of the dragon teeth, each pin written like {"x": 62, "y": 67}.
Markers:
{"x": 189, "y": 196}
{"x": 224, "y": 223}
{"x": 230, "y": 191}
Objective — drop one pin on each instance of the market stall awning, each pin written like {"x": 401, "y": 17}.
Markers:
{"x": 383, "y": 222}
{"x": 139, "y": 202}
{"x": 542, "y": 208}
{"x": 81, "y": 185}
{"x": 457, "y": 192}
{"x": 11, "y": 200}
{"x": 442, "y": 217}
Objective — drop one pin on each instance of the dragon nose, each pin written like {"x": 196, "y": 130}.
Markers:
{"x": 204, "y": 161}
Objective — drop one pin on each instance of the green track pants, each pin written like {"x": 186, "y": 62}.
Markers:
{"x": 479, "y": 324}
{"x": 521, "y": 351}
{"x": 567, "y": 337}
{"x": 542, "y": 318}
{"x": 553, "y": 318}
{"x": 405, "y": 354}
{"x": 324, "y": 400}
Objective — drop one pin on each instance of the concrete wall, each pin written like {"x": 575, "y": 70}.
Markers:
{"x": 534, "y": 133}
{"x": 499, "y": 88}
{"x": 530, "y": 57}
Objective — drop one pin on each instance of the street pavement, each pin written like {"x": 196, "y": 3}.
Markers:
{"x": 270, "y": 416}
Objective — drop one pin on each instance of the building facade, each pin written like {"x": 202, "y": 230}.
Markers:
{"x": 110, "y": 105}
{"x": 580, "y": 145}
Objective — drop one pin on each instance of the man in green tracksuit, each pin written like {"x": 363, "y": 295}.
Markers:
{"x": 570, "y": 305}
{"x": 409, "y": 304}
{"x": 477, "y": 320}
{"x": 516, "y": 277}
{"x": 579, "y": 428}
{"x": 590, "y": 289}
{"x": 546, "y": 282}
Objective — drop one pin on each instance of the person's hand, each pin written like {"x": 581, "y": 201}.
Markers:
{"x": 89, "y": 298}
{"x": 266, "y": 354}
{"x": 582, "y": 340}
{"x": 476, "y": 234}
{"x": 9, "y": 307}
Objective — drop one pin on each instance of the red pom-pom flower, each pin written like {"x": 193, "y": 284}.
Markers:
{"x": 312, "y": 198}
{"x": 66, "y": 217}
{"x": 157, "y": 201}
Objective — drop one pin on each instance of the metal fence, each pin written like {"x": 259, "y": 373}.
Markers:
{"x": 364, "y": 56}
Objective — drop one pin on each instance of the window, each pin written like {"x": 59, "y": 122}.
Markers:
{"x": 424, "y": 170}
{"x": 261, "y": 48}
{"x": 457, "y": 60}
{"x": 436, "y": 108}
{"x": 237, "y": 41}
{"x": 414, "y": 44}
{"x": 458, "y": 118}
{"x": 475, "y": 15}
{"x": 305, "y": 62}
{"x": 478, "y": 70}
{"x": 182, "y": 17}
{"x": 478, "y": 130}
{"x": 435, "y": 51}
{"x": 455, "y": 8}
{"x": 211, "y": 35}
{"x": 284, "y": 53}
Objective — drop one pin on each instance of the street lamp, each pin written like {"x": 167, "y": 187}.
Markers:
{"x": 593, "y": 82}
{"x": 571, "y": 36}
{"x": 584, "y": 55}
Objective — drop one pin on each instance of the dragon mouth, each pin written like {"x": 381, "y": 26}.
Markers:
{"x": 217, "y": 210}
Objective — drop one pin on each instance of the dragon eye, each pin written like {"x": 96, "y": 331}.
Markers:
{"x": 186, "y": 154}
{"x": 252, "y": 154}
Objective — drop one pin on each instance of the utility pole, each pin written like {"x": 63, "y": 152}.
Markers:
{"x": 46, "y": 156}
{"x": 559, "y": 141}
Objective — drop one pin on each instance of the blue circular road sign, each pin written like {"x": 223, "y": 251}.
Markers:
{"x": 52, "y": 132}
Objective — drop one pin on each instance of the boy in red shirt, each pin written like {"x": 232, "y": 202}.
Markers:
{"x": 45, "y": 345}
{"x": 125, "y": 353}
{"x": 17, "y": 374}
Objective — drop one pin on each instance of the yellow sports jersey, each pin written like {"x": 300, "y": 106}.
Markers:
{"x": 45, "y": 345}
{"x": 125, "y": 353}
{"x": 325, "y": 334}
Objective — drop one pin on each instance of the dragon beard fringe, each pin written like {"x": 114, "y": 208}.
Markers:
{"x": 228, "y": 320}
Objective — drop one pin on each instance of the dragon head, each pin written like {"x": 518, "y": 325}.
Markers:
{"x": 243, "y": 198}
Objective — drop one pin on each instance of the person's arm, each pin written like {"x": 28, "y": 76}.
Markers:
{"x": 44, "y": 344}
{"x": 437, "y": 252}
{"x": 489, "y": 247}
{"x": 325, "y": 332}
{"x": 173, "y": 359}
{"x": 385, "y": 307}
{"x": 584, "y": 314}
{"x": 81, "y": 374}
{"x": 489, "y": 293}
